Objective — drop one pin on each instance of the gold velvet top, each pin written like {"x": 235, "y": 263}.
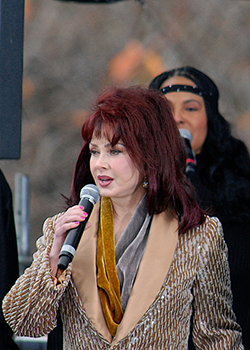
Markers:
{"x": 177, "y": 274}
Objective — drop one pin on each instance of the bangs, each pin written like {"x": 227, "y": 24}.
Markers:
{"x": 110, "y": 132}
{"x": 99, "y": 125}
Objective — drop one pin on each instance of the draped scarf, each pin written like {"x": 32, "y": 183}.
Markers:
{"x": 130, "y": 248}
{"x": 117, "y": 266}
{"x": 107, "y": 279}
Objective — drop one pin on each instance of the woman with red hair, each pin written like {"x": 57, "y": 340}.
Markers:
{"x": 149, "y": 255}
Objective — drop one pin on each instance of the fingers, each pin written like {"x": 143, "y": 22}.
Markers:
{"x": 70, "y": 219}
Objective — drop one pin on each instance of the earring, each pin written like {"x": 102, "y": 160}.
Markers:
{"x": 145, "y": 183}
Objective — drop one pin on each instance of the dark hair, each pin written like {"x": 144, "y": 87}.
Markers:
{"x": 143, "y": 119}
{"x": 223, "y": 157}
{"x": 218, "y": 128}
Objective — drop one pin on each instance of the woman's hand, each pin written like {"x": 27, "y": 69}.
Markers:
{"x": 69, "y": 220}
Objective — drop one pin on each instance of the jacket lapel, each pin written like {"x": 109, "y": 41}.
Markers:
{"x": 84, "y": 275}
{"x": 155, "y": 264}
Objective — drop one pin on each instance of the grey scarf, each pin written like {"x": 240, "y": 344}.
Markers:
{"x": 130, "y": 248}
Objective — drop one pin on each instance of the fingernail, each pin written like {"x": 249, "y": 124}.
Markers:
{"x": 81, "y": 207}
{"x": 85, "y": 214}
{"x": 83, "y": 217}
{"x": 77, "y": 222}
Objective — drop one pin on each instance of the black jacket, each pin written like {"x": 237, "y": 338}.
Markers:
{"x": 229, "y": 201}
{"x": 8, "y": 258}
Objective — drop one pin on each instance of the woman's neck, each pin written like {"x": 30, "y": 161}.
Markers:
{"x": 122, "y": 213}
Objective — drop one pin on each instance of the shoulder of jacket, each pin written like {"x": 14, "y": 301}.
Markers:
{"x": 212, "y": 223}
{"x": 207, "y": 233}
{"x": 210, "y": 233}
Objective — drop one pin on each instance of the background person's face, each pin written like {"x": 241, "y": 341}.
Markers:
{"x": 189, "y": 111}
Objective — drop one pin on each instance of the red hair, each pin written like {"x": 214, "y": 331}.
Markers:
{"x": 143, "y": 119}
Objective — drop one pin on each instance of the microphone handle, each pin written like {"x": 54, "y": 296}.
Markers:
{"x": 190, "y": 162}
{"x": 73, "y": 238}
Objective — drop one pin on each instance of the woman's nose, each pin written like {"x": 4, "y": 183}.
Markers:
{"x": 178, "y": 117}
{"x": 101, "y": 161}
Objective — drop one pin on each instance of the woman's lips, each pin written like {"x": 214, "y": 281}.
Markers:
{"x": 104, "y": 181}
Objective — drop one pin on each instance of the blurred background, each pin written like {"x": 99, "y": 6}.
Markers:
{"x": 74, "y": 50}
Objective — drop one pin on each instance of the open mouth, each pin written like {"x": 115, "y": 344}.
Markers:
{"x": 104, "y": 180}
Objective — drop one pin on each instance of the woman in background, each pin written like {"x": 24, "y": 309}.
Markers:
{"x": 149, "y": 254}
{"x": 222, "y": 174}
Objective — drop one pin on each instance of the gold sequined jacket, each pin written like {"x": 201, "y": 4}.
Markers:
{"x": 178, "y": 275}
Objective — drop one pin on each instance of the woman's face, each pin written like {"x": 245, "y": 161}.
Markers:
{"x": 189, "y": 111}
{"x": 113, "y": 170}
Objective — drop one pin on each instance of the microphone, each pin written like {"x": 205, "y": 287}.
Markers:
{"x": 191, "y": 161}
{"x": 90, "y": 195}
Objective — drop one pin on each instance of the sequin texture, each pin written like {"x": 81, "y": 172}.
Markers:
{"x": 198, "y": 280}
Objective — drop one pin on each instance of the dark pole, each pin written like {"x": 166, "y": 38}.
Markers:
{"x": 11, "y": 72}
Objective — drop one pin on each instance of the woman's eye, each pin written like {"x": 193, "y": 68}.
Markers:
{"x": 114, "y": 152}
{"x": 191, "y": 109}
{"x": 93, "y": 152}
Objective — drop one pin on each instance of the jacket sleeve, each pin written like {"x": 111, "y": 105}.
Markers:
{"x": 214, "y": 323}
{"x": 30, "y": 307}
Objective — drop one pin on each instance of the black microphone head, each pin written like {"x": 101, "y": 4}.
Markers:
{"x": 91, "y": 192}
{"x": 186, "y": 135}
